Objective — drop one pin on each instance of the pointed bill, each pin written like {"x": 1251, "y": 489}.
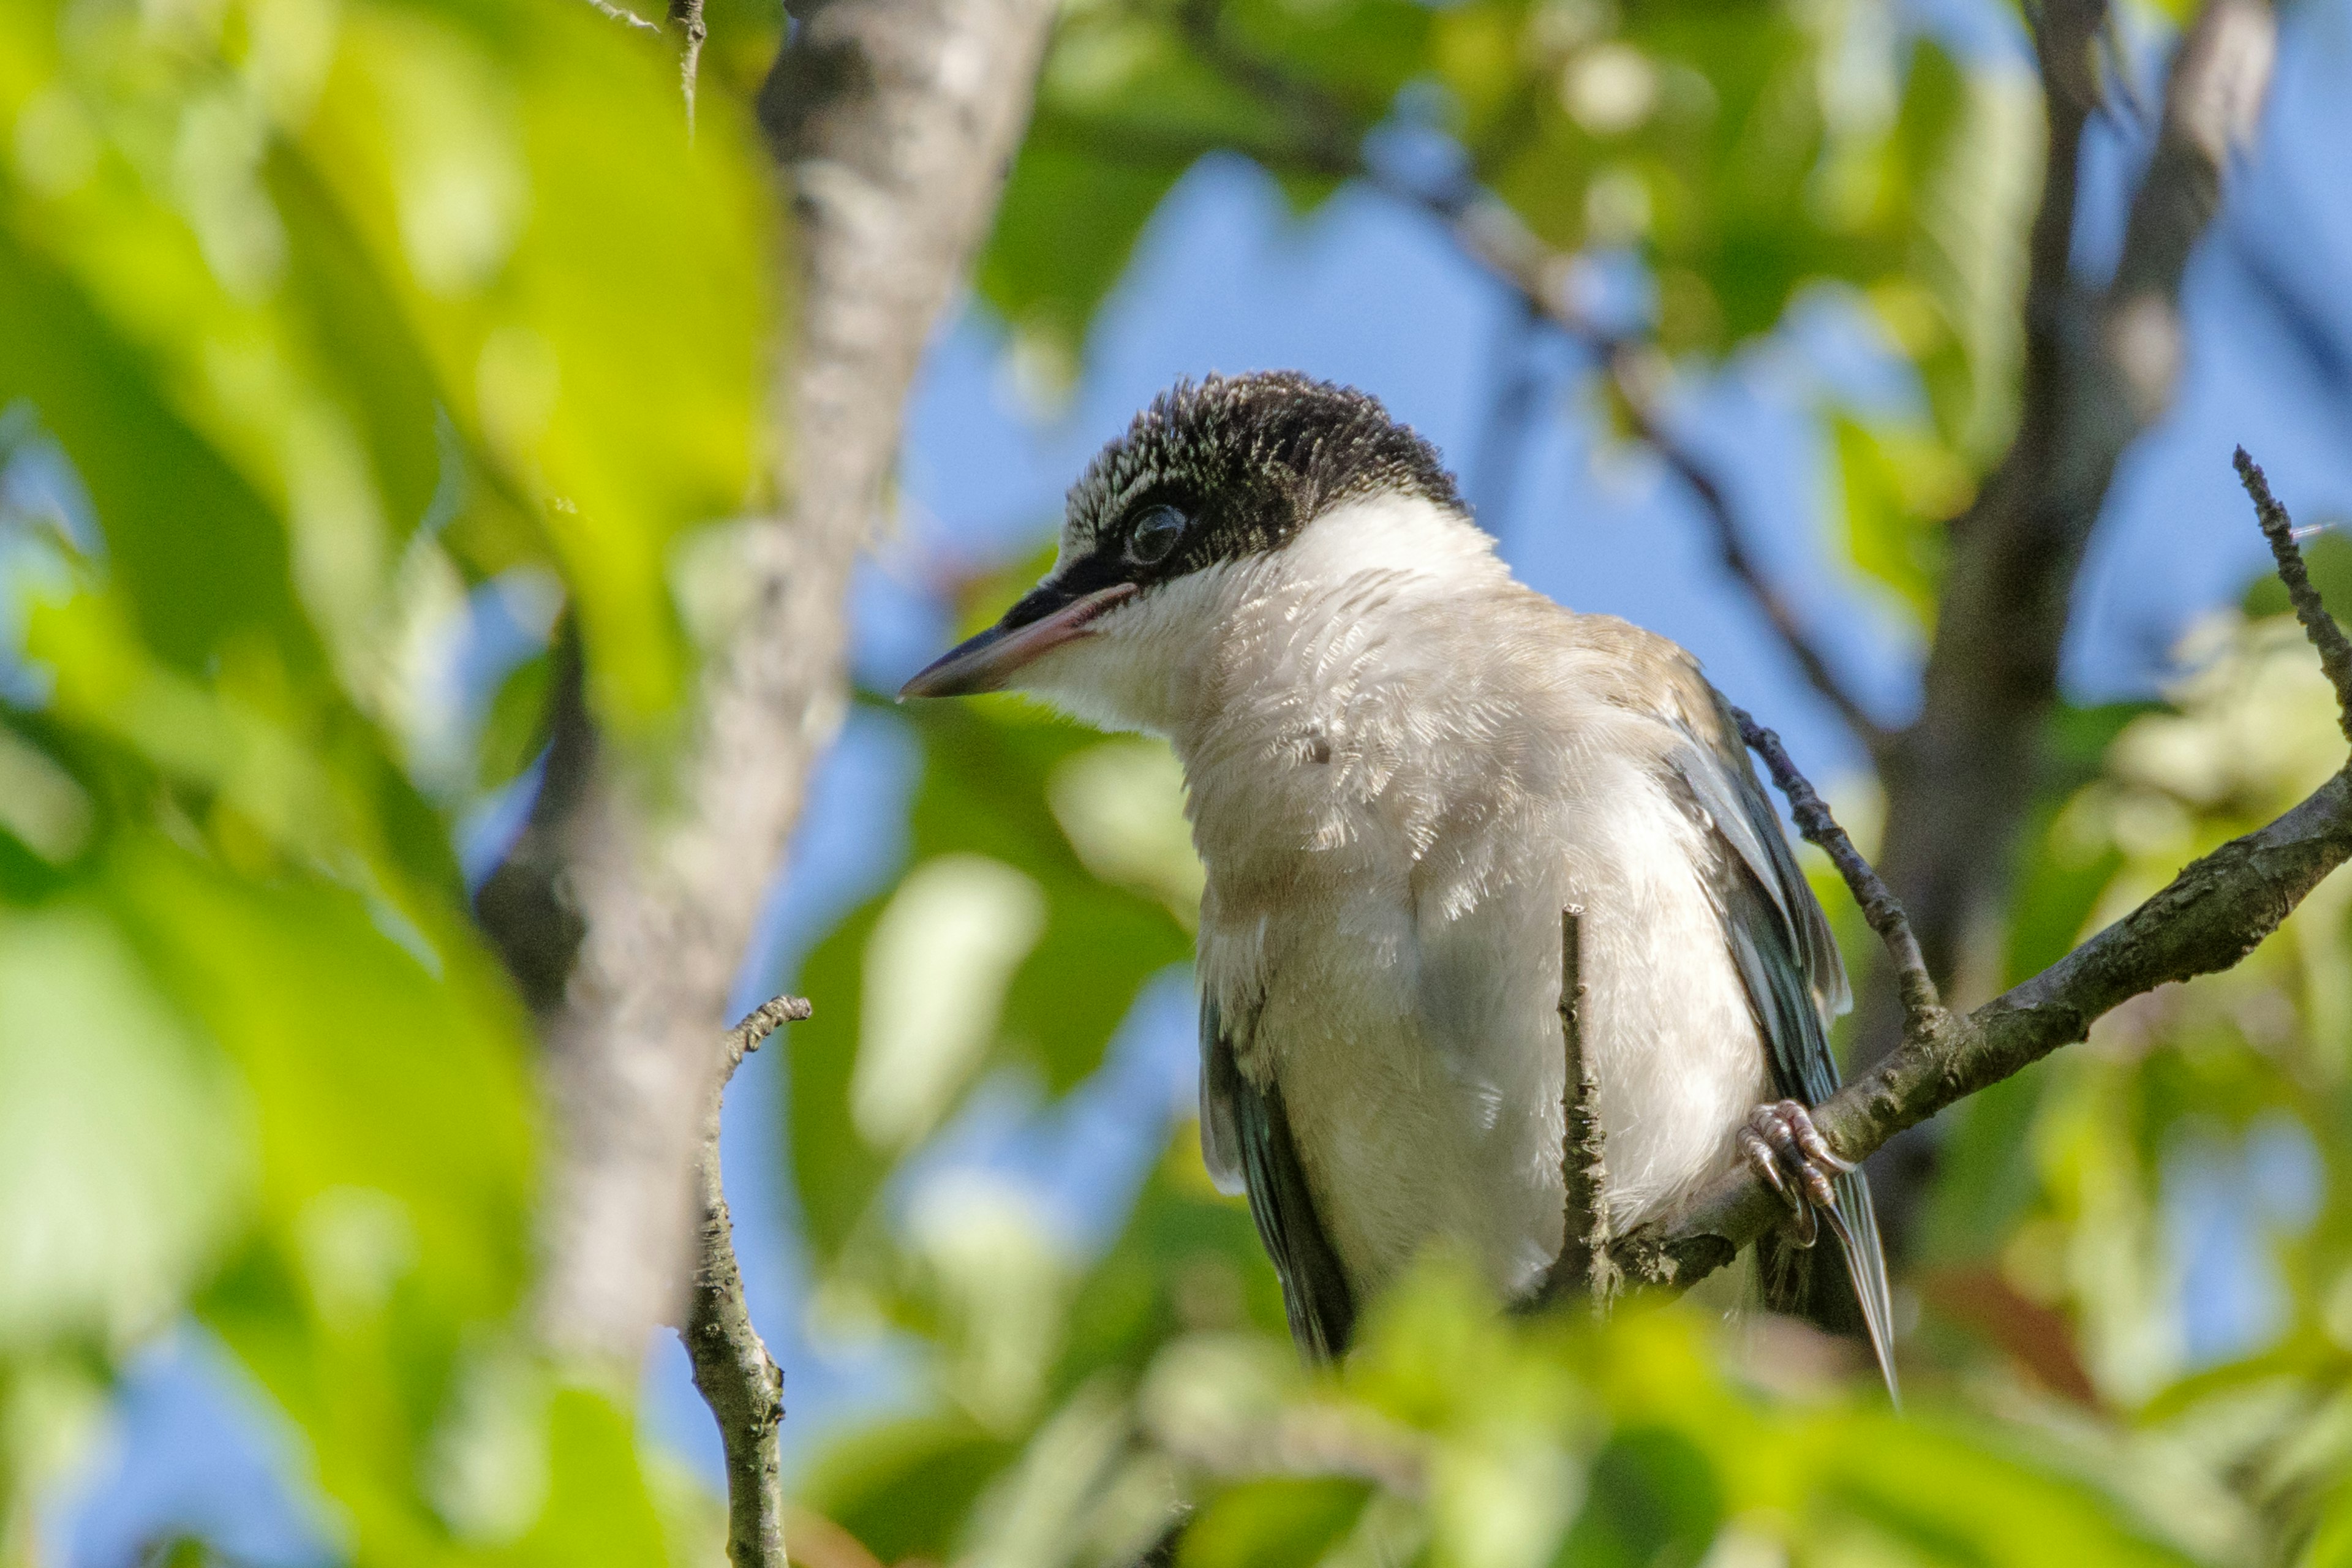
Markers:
{"x": 988, "y": 662}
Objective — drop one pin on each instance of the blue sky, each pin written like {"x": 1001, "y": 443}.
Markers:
{"x": 1370, "y": 293}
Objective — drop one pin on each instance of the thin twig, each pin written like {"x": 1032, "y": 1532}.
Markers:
{"x": 1493, "y": 235}
{"x": 624, "y": 16}
{"x": 686, "y": 16}
{"x": 763, "y": 1020}
{"x": 2334, "y": 649}
{"x": 1922, "y": 1006}
{"x": 732, "y": 1369}
{"x": 1584, "y": 1263}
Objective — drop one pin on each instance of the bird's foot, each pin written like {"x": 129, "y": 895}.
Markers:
{"x": 1781, "y": 1145}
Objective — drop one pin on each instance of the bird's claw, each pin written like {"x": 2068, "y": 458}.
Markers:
{"x": 1781, "y": 1145}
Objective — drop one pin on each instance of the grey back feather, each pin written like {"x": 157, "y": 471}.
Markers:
{"x": 1782, "y": 945}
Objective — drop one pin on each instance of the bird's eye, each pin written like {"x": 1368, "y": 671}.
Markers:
{"x": 1156, "y": 533}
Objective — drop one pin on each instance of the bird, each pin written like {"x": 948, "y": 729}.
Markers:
{"x": 1401, "y": 766}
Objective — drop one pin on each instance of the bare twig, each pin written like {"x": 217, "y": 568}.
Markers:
{"x": 624, "y": 16}
{"x": 2334, "y": 649}
{"x": 732, "y": 1369}
{"x": 762, "y": 1021}
{"x": 1493, "y": 235}
{"x": 2217, "y": 910}
{"x": 686, "y": 18}
{"x": 1921, "y": 1004}
{"x": 1584, "y": 1263}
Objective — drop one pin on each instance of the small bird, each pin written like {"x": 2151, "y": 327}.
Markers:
{"x": 1401, "y": 765}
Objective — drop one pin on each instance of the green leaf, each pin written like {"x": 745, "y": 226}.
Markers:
{"x": 1188, "y": 1260}
{"x": 198, "y": 552}
{"x": 1653, "y": 1501}
{"x": 2331, "y": 1542}
{"x": 588, "y": 287}
{"x": 1982, "y": 1508}
{"x": 126, "y": 1143}
{"x": 514, "y": 729}
{"x": 598, "y": 1510}
{"x": 1897, "y": 488}
{"x": 1047, "y": 958}
{"x": 1972, "y": 146}
{"x": 2328, "y": 558}
{"x": 1983, "y": 1186}
{"x": 1274, "y": 1524}
{"x": 380, "y": 1056}
{"x": 903, "y": 1488}
{"x": 1067, "y": 223}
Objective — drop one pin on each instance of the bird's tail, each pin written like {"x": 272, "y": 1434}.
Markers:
{"x": 1805, "y": 1284}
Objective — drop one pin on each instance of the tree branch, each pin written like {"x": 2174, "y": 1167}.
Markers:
{"x": 893, "y": 122}
{"x": 1491, "y": 234}
{"x": 2099, "y": 366}
{"x": 1584, "y": 1263}
{"x": 2217, "y": 910}
{"x": 732, "y": 1369}
{"x": 2278, "y": 530}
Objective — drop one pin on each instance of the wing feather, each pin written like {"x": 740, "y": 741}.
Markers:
{"x": 1244, "y": 1124}
{"x": 1782, "y": 945}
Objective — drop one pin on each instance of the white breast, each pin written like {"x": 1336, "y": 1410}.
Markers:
{"x": 1397, "y": 781}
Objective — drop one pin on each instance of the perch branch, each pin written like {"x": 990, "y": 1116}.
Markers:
{"x": 1584, "y": 1262}
{"x": 1493, "y": 235}
{"x": 732, "y": 1369}
{"x": 2217, "y": 910}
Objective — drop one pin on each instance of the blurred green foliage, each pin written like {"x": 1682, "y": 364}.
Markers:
{"x": 319, "y": 319}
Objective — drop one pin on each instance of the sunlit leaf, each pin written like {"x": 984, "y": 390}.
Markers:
{"x": 903, "y": 1488}
{"x": 125, "y": 1141}
{"x": 1002, "y": 947}
{"x": 1273, "y": 1524}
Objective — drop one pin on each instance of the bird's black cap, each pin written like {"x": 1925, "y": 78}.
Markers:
{"x": 1213, "y": 470}
{"x": 1249, "y": 461}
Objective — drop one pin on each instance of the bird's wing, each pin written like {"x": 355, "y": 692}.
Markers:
{"x": 1782, "y": 945}
{"x": 1245, "y": 1129}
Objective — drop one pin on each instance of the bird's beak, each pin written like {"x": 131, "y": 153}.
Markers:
{"x": 988, "y": 662}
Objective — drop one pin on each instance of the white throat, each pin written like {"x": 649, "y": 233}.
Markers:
{"x": 1275, "y": 628}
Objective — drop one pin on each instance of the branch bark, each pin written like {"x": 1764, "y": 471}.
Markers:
{"x": 2217, "y": 910}
{"x": 732, "y": 1369}
{"x": 893, "y": 121}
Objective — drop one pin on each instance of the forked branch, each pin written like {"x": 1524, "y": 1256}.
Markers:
{"x": 732, "y": 1369}
{"x": 2218, "y": 910}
